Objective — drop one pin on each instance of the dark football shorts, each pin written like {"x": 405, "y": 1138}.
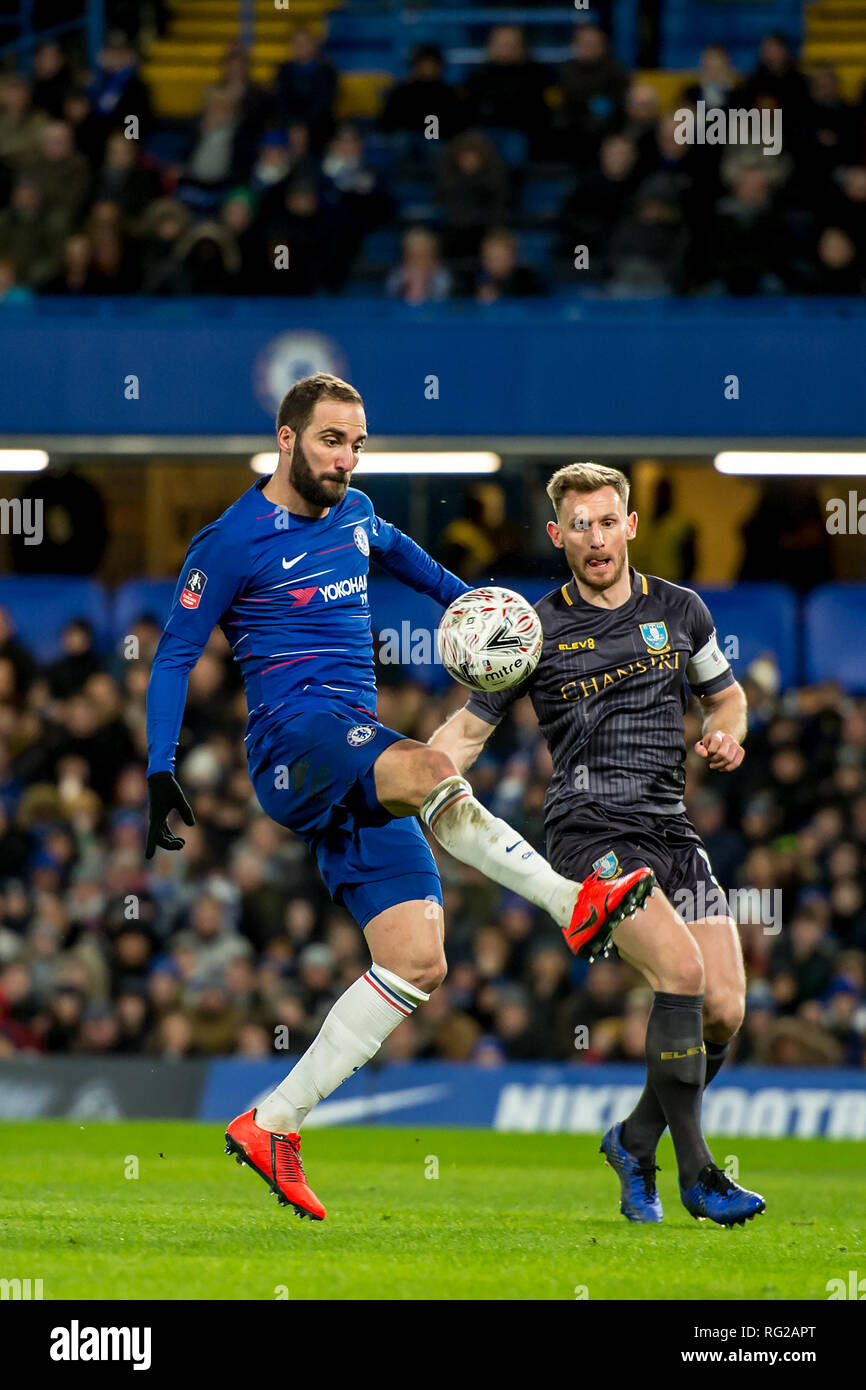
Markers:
{"x": 616, "y": 844}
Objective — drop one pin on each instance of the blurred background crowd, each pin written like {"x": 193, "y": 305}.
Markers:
{"x": 223, "y": 947}
{"x": 267, "y": 193}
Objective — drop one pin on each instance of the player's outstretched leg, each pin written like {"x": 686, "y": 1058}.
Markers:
{"x": 668, "y": 956}
{"x": 277, "y": 1159}
{"x": 267, "y": 1138}
{"x": 586, "y": 913}
{"x": 716, "y": 1198}
{"x": 639, "y": 1199}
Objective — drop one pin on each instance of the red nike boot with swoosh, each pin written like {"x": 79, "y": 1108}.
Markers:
{"x": 601, "y": 905}
{"x": 277, "y": 1159}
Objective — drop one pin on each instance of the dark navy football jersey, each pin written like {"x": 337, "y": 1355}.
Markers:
{"x": 610, "y": 692}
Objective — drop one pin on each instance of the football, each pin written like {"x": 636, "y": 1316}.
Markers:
{"x": 490, "y": 639}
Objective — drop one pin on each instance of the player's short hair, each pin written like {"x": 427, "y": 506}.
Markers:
{"x": 298, "y": 404}
{"x": 586, "y": 477}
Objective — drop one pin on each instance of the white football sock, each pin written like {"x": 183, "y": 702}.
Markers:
{"x": 468, "y": 831}
{"x": 353, "y": 1032}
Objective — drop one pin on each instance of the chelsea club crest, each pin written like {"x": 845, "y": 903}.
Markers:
{"x": 656, "y": 636}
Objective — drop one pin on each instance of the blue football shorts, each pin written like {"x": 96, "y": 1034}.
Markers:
{"x": 312, "y": 770}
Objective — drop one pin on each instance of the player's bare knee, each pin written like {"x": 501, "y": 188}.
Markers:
{"x": 684, "y": 975}
{"x": 430, "y": 975}
{"x": 723, "y": 1016}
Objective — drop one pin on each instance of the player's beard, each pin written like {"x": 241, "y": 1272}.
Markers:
{"x": 319, "y": 492}
{"x": 602, "y": 582}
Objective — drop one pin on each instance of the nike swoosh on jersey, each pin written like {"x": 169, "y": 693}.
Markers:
{"x": 287, "y": 564}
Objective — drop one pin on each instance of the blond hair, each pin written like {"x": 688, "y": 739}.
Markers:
{"x": 586, "y": 477}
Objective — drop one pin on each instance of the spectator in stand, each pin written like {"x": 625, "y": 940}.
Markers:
{"x": 124, "y": 178}
{"x": 421, "y": 275}
{"x": 642, "y": 110}
{"x": 238, "y": 218}
{"x": 281, "y": 158}
{"x": 306, "y": 89}
{"x": 777, "y": 75}
{"x": 716, "y": 79}
{"x": 593, "y": 85}
{"x": 832, "y": 125}
{"x": 61, "y": 173}
{"x": 599, "y": 199}
{"x": 472, "y": 192}
{"x": 52, "y": 78}
{"x": 363, "y": 199}
{"x": 160, "y": 232}
{"x": 648, "y": 248}
{"x": 31, "y": 234}
{"x": 847, "y": 204}
{"x": 79, "y": 661}
{"x": 747, "y": 253}
{"x": 306, "y": 248}
{"x": 839, "y": 269}
{"x": 11, "y": 292}
{"x": 253, "y": 104}
{"x": 213, "y": 162}
{"x": 500, "y": 273}
{"x": 409, "y": 105}
{"x": 21, "y": 124}
{"x": 786, "y": 539}
{"x": 117, "y": 91}
{"x": 686, "y": 174}
{"x": 87, "y": 127}
{"x": 507, "y": 90}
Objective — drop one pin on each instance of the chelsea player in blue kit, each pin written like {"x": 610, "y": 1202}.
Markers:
{"x": 284, "y": 573}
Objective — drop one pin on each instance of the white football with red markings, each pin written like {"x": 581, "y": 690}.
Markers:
{"x": 490, "y": 639}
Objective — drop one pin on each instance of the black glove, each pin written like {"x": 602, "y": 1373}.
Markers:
{"x": 164, "y": 795}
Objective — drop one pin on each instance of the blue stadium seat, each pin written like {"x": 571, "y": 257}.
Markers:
{"x": 381, "y": 248}
{"x": 542, "y": 198}
{"x": 752, "y": 619}
{"x": 536, "y": 248}
{"x": 688, "y": 25}
{"x": 512, "y": 146}
{"x": 835, "y": 636}
{"x": 41, "y": 605}
{"x": 416, "y": 200}
{"x": 139, "y": 598}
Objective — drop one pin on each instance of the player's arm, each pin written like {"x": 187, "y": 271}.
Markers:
{"x": 403, "y": 558}
{"x": 724, "y": 728}
{"x": 207, "y": 584}
{"x": 722, "y": 698}
{"x": 462, "y": 736}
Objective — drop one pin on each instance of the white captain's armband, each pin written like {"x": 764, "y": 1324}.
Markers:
{"x": 708, "y": 663}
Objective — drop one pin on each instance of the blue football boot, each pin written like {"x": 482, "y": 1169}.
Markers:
{"x": 716, "y": 1198}
{"x": 639, "y": 1199}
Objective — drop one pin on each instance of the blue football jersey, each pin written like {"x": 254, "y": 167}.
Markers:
{"x": 290, "y": 593}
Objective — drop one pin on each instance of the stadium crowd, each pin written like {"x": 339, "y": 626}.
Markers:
{"x": 222, "y": 948}
{"x": 266, "y": 193}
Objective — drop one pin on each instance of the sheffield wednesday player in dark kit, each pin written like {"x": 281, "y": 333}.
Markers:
{"x": 609, "y": 693}
{"x": 284, "y": 573}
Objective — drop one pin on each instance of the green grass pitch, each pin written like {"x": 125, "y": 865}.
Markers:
{"x": 508, "y": 1217}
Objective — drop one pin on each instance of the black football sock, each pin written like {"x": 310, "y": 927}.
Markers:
{"x": 716, "y": 1054}
{"x": 676, "y": 1070}
{"x": 646, "y": 1124}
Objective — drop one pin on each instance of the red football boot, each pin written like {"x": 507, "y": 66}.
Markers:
{"x": 601, "y": 905}
{"x": 277, "y": 1159}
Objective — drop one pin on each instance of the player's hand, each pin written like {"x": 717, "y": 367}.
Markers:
{"x": 164, "y": 795}
{"x": 722, "y": 750}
